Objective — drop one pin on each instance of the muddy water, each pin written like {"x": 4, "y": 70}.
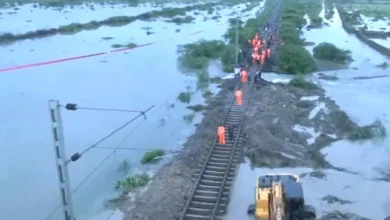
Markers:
{"x": 129, "y": 80}
{"x": 364, "y": 101}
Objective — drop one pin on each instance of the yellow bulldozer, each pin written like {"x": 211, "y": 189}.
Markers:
{"x": 280, "y": 197}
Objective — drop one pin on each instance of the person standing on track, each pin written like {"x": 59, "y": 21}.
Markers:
{"x": 244, "y": 75}
{"x": 238, "y": 95}
{"x": 221, "y": 135}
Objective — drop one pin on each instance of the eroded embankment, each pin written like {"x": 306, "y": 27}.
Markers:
{"x": 288, "y": 126}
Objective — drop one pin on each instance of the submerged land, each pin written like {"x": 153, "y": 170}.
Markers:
{"x": 286, "y": 125}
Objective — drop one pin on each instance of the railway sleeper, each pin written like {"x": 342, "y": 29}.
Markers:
{"x": 209, "y": 199}
{"x": 215, "y": 183}
{"x": 212, "y": 188}
{"x": 199, "y": 217}
{"x": 216, "y": 178}
{"x": 208, "y": 211}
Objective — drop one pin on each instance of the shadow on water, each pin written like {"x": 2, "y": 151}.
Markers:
{"x": 126, "y": 80}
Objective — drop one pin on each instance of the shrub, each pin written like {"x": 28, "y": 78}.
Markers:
{"x": 132, "y": 182}
{"x": 295, "y": 59}
{"x": 196, "y": 56}
{"x": 152, "y": 156}
{"x": 328, "y": 51}
{"x": 300, "y": 82}
{"x": 185, "y": 97}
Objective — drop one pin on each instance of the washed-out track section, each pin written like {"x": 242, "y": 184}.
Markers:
{"x": 210, "y": 196}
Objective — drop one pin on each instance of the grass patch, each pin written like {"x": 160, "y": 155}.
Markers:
{"x": 292, "y": 57}
{"x": 196, "y": 56}
{"x": 124, "y": 167}
{"x": 313, "y": 9}
{"x": 189, "y": 118}
{"x": 329, "y": 8}
{"x": 152, "y": 156}
{"x": 328, "y": 51}
{"x": 132, "y": 182}
{"x": 370, "y": 10}
{"x": 184, "y": 97}
{"x": 113, "y": 21}
{"x": 181, "y": 20}
{"x": 300, "y": 82}
{"x": 129, "y": 45}
{"x": 383, "y": 65}
{"x": 368, "y": 132}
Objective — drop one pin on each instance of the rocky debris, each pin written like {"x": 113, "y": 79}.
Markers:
{"x": 333, "y": 199}
{"x": 337, "y": 215}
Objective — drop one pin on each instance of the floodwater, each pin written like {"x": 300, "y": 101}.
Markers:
{"x": 29, "y": 17}
{"x": 364, "y": 101}
{"x": 133, "y": 80}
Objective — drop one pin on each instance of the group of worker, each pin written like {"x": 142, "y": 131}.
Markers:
{"x": 261, "y": 50}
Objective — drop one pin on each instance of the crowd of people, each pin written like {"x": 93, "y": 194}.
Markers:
{"x": 261, "y": 50}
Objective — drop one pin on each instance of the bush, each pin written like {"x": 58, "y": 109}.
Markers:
{"x": 196, "y": 56}
{"x": 185, "y": 97}
{"x": 295, "y": 59}
{"x": 300, "y": 82}
{"x": 328, "y": 51}
{"x": 152, "y": 156}
{"x": 132, "y": 182}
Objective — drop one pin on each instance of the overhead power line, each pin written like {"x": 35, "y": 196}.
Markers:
{"x": 77, "y": 155}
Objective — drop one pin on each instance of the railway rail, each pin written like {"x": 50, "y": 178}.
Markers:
{"x": 209, "y": 198}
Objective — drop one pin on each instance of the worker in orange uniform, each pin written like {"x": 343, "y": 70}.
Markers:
{"x": 256, "y": 49}
{"x": 244, "y": 75}
{"x": 262, "y": 58}
{"x": 255, "y": 58}
{"x": 268, "y": 53}
{"x": 238, "y": 95}
{"x": 221, "y": 135}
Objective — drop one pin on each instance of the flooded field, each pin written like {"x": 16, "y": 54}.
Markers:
{"x": 364, "y": 101}
{"x": 134, "y": 80}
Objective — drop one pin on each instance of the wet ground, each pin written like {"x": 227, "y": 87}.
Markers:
{"x": 106, "y": 81}
{"x": 109, "y": 81}
{"x": 364, "y": 101}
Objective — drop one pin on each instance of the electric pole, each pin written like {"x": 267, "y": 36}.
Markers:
{"x": 61, "y": 161}
{"x": 237, "y": 34}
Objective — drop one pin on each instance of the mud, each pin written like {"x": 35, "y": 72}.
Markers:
{"x": 274, "y": 111}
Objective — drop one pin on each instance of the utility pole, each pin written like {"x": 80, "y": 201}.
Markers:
{"x": 61, "y": 161}
{"x": 237, "y": 34}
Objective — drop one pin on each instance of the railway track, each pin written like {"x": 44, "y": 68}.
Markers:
{"x": 210, "y": 196}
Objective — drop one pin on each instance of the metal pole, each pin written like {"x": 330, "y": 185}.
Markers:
{"x": 237, "y": 34}
{"x": 61, "y": 164}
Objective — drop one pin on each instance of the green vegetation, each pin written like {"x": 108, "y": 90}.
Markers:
{"x": 196, "y": 56}
{"x": 300, "y": 82}
{"x": 295, "y": 59}
{"x": 329, "y": 8}
{"x": 132, "y": 182}
{"x": 181, "y": 20}
{"x": 185, "y": 97}
{"x": 292, "y": 56}
{"x": 113, "y": 21}
{"x": 152, "y": 156}
{"x": 368, "y": 132}
{"x": 328, "y": 51}
{"x": 313, "y": 9}
{"x": 349, "y": 18}
{"x": 129, "y": 45}
{"x": 189, "y": 118}
{"x": 124, "y": 167}
{"x": 383, "y": 65}
{"x": 370, "y": 10}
